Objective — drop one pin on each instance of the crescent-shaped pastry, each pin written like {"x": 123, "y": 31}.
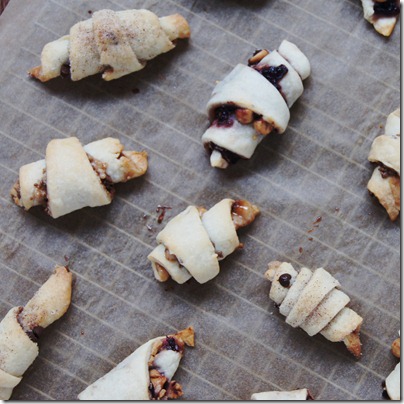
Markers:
{"x": 385, "y": 180}
{"x": 253, "y": 101}
{"x": 392, "y": 384}
{"x": 20, "y": 329}
{"x": 194, "y": 241}
{"x": 294, "y": 395}
{"x": 73, "y": 176}
{"x": 382, "y": 14}
{"x": 312, "y": 301}
{"x": 146, "y": 374}
{"x": 111, "y": 43}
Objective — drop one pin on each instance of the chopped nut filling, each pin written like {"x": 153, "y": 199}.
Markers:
{"x": 160, "y": 387}
{"x": 98, "y": 166}
{"x": 243, "y": 213}
{"x": 244, "y": 115}
{"x": 101, "y": 169}
{"x": 263, "y": 127}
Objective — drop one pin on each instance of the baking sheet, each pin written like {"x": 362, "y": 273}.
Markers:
{"x": 318, "y": 168}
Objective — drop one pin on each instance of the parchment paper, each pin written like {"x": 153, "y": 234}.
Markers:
{"x": 318, "y": 168}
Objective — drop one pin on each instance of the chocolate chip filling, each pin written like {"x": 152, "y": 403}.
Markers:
{"x": 284, "y": 280}
{"x": 385, "y": 9}
{"x": 65, "y": 70}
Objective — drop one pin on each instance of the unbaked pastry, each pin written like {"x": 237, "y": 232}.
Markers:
{"x": 382, "y": 14}
{"x": 21, "y": 328}
{"x": 146, "y": 374}
{"x": 73, "y": 176}
{"x": 253, "y": 101}
{"x": 294, "y": 395}
{"x": 111, "y": 43}
{"x": 385, "y": 180}
{"x": 194, "y": 241}
{"x": 313, "y": 302}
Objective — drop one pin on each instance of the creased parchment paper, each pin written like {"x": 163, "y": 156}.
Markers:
{"x": 318, "y": 168}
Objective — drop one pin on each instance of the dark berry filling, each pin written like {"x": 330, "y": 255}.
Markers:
{"x": 388, "y": 8}
{"x": 170, "y": 344}
{"x": 224, "y": 116}
{"x": 229, "y": 156}
{"x": 274, "y": 74}
{"x": 284, "y": 280}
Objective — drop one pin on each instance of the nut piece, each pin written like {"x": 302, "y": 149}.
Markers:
{"x": 243, "y": 213}
{"x": 258, "y": 57}
{"x": 163, "y": 274}
{"x": 353, "y": 343}
{"x": 244, "y": 115}
{"x": 187, "y": 335}
{"x": 395, "y": 348}
{"x": 263, "y": 127}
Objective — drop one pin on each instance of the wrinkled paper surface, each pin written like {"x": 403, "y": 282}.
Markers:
{"x": 318, "y": 168}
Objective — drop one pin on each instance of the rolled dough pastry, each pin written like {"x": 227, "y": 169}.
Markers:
{"x": 146, "y": 374}
{"x": 20, "y": 329}
{"x": 111, "y": 43}
{"x": 382, "y": 14}
{"x": 194, "y": 241}
{"x": 392, "y": 384}
{"x": 73, "y": 176}
{"x": 313, "y": 302}
{"x": 252, "y": 101}
{"x": 385, "y": 180}
{"x": 294, "y": 395}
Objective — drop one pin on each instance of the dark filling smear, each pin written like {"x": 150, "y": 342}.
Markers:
{"x": 224, "y": 116}
{"x": 388, "y": 8}
{"x": 386, "y": 171}
{"x": 284, "y": 280}
{"x": 170, "y": 344}
{"x": 385, "y": 395}
{"x": 65, "y": 70}
{"x": 274, "y": 74}
{"x": 151, "y": 389}
{"x": 228, "y": 155}
{"x": 109, "y": 186}
{"x": 309, "y": 396}
{"x": 35, "y": 333}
